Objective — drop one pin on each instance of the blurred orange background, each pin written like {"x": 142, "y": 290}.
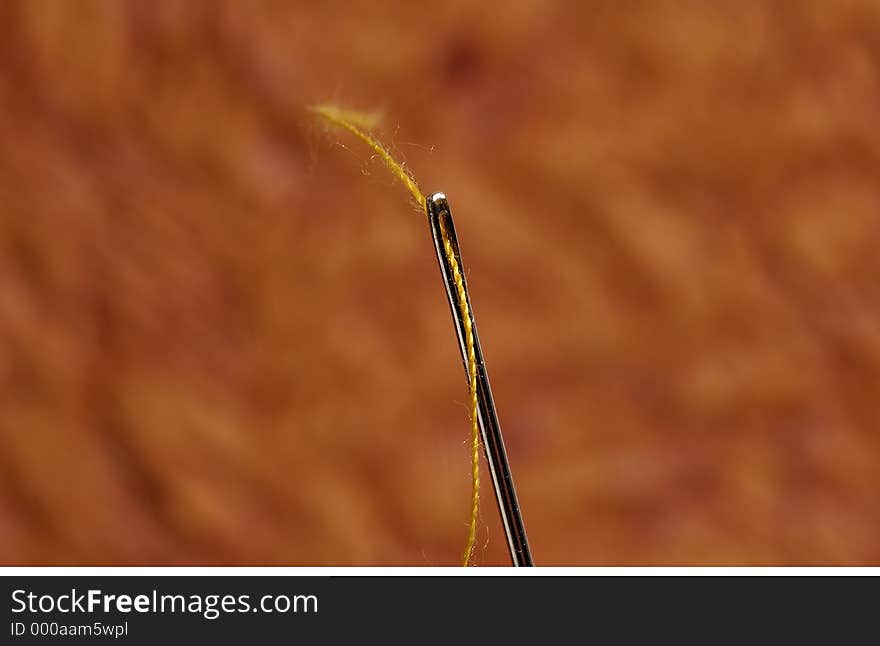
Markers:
{"x": 223, "y": 333}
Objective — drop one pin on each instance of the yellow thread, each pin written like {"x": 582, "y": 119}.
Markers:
{"x": 472, "y": 385}
{"x": 344, "y": 119}
{"x": 357, "y": 124}
{"x": 366, "y": 121}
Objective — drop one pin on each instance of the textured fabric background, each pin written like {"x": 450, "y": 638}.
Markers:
{"x": 223, "y": 334}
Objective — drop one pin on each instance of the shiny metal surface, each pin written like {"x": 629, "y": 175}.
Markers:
{"x": 437, "y": 208}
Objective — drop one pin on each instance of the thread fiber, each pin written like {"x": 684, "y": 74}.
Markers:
{"x": 358, "y": 124}
{"x": 472, "y": 387}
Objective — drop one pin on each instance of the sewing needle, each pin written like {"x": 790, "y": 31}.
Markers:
{"x": 437, "y": 208}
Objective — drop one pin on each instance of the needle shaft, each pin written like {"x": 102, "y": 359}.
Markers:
{"x": 437, "y": 209}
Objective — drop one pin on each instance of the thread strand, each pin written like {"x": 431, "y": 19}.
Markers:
{"x": 472, "y": 386}
{"x": 346, "y": 119}
{"x": 353, "y": 122}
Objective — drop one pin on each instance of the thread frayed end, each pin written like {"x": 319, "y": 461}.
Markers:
{"x": 365, "y": 120}
{"x": 359, "y": 124}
